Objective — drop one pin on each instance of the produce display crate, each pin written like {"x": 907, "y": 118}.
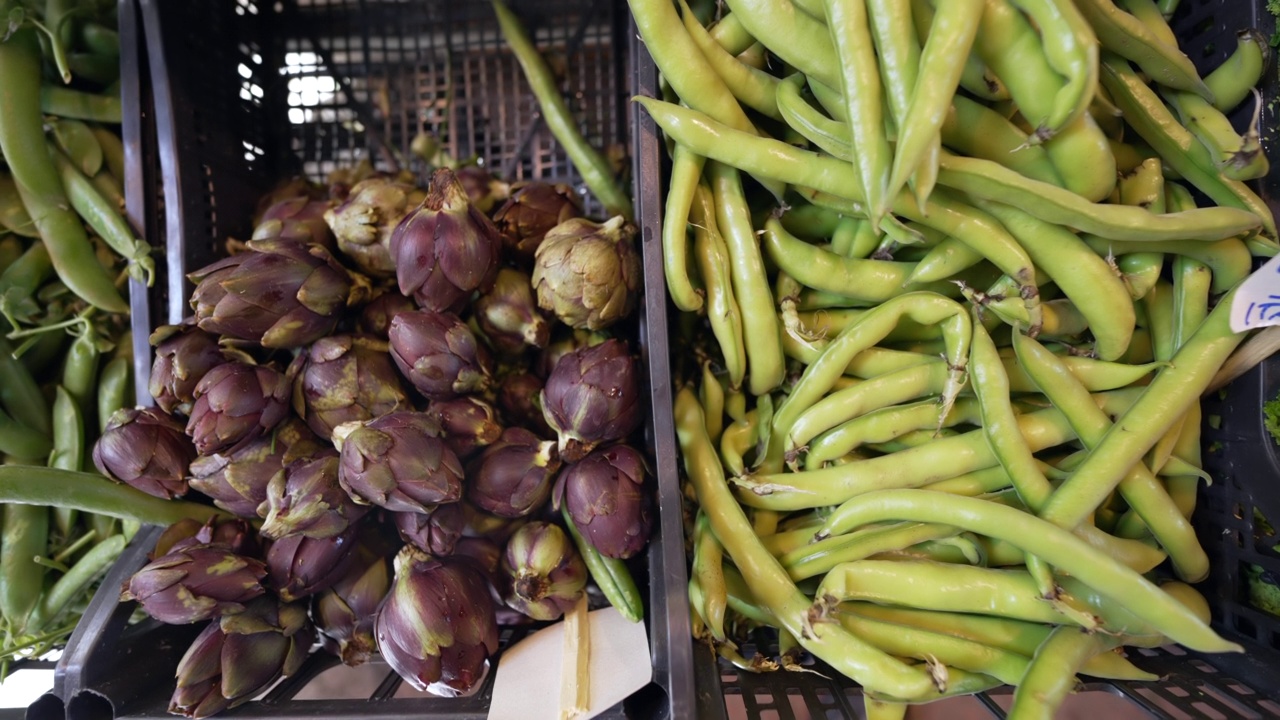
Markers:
{"x": 1240, "y": 456}
{"x": 248, "y": 92}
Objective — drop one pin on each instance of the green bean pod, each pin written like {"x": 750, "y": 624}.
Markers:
{"x": 22, "y": 143}
{"x": 976, "y": 130}
{"x": 1071, "y": 48}
{"x": 1127, "y": 36}
{"x": 1055, "y": 545}
{"x": 78, "y": 105}
{"x": 74, "y": 138}
{"x": 594, "y": 168}
{"x": 753, "y": 88}
{"x": 1051, "y": 676}
{"x": 730, "y": 34}
{"x": 1233, "y": 80}
{"x": 1237, "y": 157}
{"x": 798, "y": 38}
{"x": 77, "y": 579}
{"x": 68, "y": 448}
{"x": 115, "y": 389}
{"x": 709, "y": 572}
{"x": 722, "y": 307}
{"x": 906, "y": 641}
{"x": 815, "y": 559}
{"x": 846, "y": 653}
{"x": 686, "y": 170}
{"x": 610, "y": 575}
{"x": 105, "y": 219}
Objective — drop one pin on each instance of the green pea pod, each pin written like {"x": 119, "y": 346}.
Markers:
{"x": 78, "y": 578}
{"x": 594, "y": 168}
{"x": 109, "y": 187}
{"x": 10, "y": 251}
{"x": 22, "y": 142}
{"x": 80, "y": 144}
{"x": 13, "y": 214}
{"x": 18, "y": 440}
{"x": 1236, "y": 77}
{"x": 1127, "y": 36}
{"x": 775, "y": 591}
{"x": 105, "y": 219}
{"x": 98, "y": 69}
{"x": 67, "y": 103}
{"x": 68, "y": 448}
{"x": 611, "y": 576}
{"x": 100, "y": 39}
{"x": 19, "y": 394}
{"x": 25, "y": 536}
{"x": 112, "y": 150}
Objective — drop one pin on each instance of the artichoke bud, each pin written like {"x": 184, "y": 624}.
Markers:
{"x": 532, "y": 210}
{"x": 593, "y": 397}
{"x": 435, "y": 533}
{"x": 482, "y": 189}
{"x": 237, "y": 482}
{"x": 345, "y": 612}
{"x": 439, "y": 354}
{"x": 399, "y": 462}
{"x": 437, "y": 628}
{"x": 281, "y": 294}
{"x": 237, "y": 403}
{"x": 545, "y": 575}
{"x": 563, "y": 344}
{"x": 446, "y": 249}
{"x": 345, "y": 378}
{"x": 604, "y": 493}
{"x": 468, "y": 423}
{"x": 298, "y": 219}
{"x": 295, "y": 187}
{"x": 236, "y": 658}
{"x": 306, "y": 499}
{"x": 520, "y": 402}
{"x": 195, "y": 581}
{"x": 508, "y": 315}
{"x": 375, "y": 317}
{"x": 514, "y": 476}
{"x": 147, "y": 450}
{"x": 184, "y": 353}
{"x": 299, "y": 566}
{"x": 362, "y": 224}
{"x": 589, "y": 275}
{"x": 237, "y": 535}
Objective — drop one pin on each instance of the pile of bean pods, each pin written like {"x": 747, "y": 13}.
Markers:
{"x": 66, "y": 254}
{"x": 962, "y": 306}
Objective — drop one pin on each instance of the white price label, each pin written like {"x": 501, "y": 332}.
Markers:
{"x": 1257, "y": 302}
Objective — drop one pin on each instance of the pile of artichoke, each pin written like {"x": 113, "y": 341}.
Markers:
{"x": 399, "y": 402}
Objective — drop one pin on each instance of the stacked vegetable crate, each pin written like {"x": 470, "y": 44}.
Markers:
{"x": 1240, "y": 456}
{"x": 247, "y": 93}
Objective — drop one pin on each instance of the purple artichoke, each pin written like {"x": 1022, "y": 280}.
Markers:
{"x": 482, "y": 190}
{"x": 483, "y": 554}
{"x": 297, "y": 219}
{"x": 532, "y": 210}
{"x": 298, "y": 566}
{"x": 437, "y": 626}
{"x": 519, "y": 399}
{"x": 346, "y": 378}
{"x": 375, "y": 318}
{"x": 468, "y": 423}
{"x": 435, "y": 533}
{"x": 439, "y": 354}
{"x": 236, "y": 534}
{"x": 184, "y": 353}
{"x": 445, "y": 250}
{"x": 145, "y": 449}
{"x": 589, "y": 275}
{"x": 286, "y": 190}
{"x": 563, "y": 344}
{"x": 604, "y": 493}
{"x": 237, "y": 482}
{"x": 239, "y": 656}
{"x": 281, "y": 294}
{"x": 363, "y": 223}
{"x": 345, "y": 612}
{"x": 543, "y": 574}
{"x": 514, "y": 476}
{"x": 592, "y": 397}
{"x": 195, "y": 581}
{"x": 306, "y": 499}
{"x": 237, "y": 403}
{"x": 399, "y": 462}
{"x": 508, "y": 315}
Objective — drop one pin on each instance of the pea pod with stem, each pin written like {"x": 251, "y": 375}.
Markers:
{"x": 590, "y": 163}
{"x": 115, "y": 388}
{"x": 980, "y": 178}
{"x": 1236, "y": 156}
{"x": 24, "y": 149}
{"x": 104, "y": 217}
{"x": 976, "y": 130}
{"x": 846, "y": 653}
{"x": 77, "y": 141}
{"x": 1056, "y": 545}
{"x": 77, "y": 580}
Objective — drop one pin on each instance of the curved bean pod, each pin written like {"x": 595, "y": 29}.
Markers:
{"x": 754, "y": 88}
{"x": 1128, "y": 37}
{"x": 1051, "y": 676}
{"x": 1233, "y": 80}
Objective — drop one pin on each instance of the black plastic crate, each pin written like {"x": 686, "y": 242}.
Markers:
{"x": 1240, "y": 456}
{"x": 247, "y": 92}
